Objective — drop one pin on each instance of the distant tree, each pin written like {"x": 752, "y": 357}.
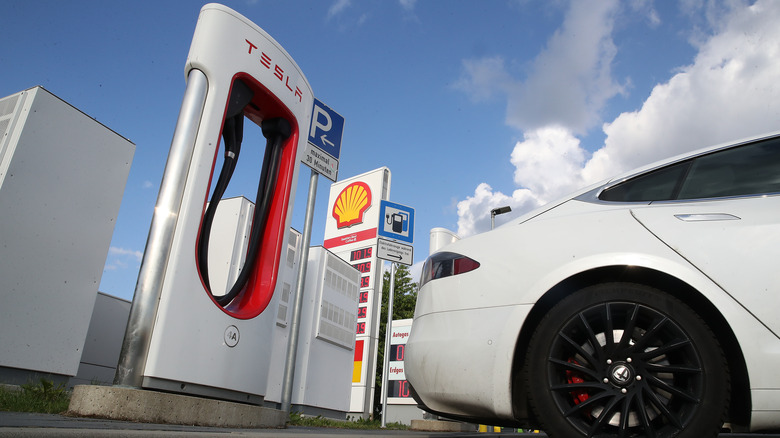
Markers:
{"x": 404, "y": 301}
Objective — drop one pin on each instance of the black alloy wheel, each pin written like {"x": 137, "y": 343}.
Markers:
{"x": 626, "y": 360}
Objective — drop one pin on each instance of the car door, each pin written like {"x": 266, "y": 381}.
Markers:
{"x": 735, "y": 242}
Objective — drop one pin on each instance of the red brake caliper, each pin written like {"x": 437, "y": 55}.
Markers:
{"x": 580, "y": 395}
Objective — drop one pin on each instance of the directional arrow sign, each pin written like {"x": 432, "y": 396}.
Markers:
{"x": 395, "y": 252}
{"x": 327, "y": 127}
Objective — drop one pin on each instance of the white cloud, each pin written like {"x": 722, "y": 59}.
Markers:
{"x": 126, "y": 253}
{"x": 484, "y": 78}
{"x": 730, "y": 91}
{"x": 122, "y": 258}
{"x": 571, "y": 79}
{"x": 474, "y": 211}
{"x": 548, "y": 162}
{"x": 646, "y": 8}
{"x": 337, "y": 7}
{"x": 568, "y": 83}
{"x": 408, "y": 5}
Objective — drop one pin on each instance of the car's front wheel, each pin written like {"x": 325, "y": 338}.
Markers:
{"x": 626, "y": 360}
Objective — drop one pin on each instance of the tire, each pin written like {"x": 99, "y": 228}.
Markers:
{"x": 669, "y": 378}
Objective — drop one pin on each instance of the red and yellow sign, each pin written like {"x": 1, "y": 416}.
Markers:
{"x": 357, "y": 370}
{"x": 351, "y": 233}
{"x": 351, "y": 203}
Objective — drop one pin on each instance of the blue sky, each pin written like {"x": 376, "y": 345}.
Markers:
{"x": 471, "y": 104}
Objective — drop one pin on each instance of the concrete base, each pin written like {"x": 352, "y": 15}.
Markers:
{"x": 442, "y": 426}
{"x": 145, "y": 406}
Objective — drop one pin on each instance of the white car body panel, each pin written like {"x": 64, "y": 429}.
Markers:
{"x": 746, "y": 226}
{"x": 460, "y": 342}
{"x": 764, "y": 409}
{"x": 496, "y": 298}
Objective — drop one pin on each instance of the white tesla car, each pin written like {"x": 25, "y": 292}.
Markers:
{"x": 646, "y": 306}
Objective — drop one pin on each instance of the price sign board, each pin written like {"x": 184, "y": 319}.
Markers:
{"x": 399, "y": 392}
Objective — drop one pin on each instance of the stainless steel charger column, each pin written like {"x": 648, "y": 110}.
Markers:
{"x": 132, "y": 358}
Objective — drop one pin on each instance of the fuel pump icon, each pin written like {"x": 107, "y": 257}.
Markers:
{"x": 399, "y": 221}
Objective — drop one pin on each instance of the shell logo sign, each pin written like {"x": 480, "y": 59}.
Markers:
{"x": 351, "y": 203}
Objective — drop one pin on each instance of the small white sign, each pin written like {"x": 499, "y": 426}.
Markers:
{"x": 395, "y": 252}
{"x": 396, "y": 371}
{"x": 321, "y": 162}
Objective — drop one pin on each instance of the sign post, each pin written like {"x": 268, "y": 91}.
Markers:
{"x": 396, "y": 222}
{"x": 324, "y": 121}
{"x": 387, "y": 345}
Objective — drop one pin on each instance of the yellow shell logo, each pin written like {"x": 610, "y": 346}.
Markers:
{"x": 351, "y": 203}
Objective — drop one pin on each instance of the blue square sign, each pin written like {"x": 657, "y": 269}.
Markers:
{"x": 327, "y": 128}
{"x": 396, "y": 221}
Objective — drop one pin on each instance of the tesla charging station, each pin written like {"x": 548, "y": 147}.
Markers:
{"x": 186, "y": 333}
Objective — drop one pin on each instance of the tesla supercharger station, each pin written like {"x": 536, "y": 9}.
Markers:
{"x": 187, "y": 334}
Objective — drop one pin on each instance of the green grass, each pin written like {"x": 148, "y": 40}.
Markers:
{"x": 42, "y": 397}
{"x": 297, "y": 419}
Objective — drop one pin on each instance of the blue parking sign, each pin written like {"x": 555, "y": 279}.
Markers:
{"x": 327, "y": 128}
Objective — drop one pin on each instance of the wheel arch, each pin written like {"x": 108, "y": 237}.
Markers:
{"x": 740, "y": 401}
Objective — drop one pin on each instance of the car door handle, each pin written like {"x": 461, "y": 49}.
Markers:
{"x": 706, "y": 217}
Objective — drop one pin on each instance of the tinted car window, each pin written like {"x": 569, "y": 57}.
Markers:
{"x": 660, "y": 185}
{"x": 744, "y": 170}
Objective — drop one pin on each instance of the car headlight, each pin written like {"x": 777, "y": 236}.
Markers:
{"x": 445, "y": 264}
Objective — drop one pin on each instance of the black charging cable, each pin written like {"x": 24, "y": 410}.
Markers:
{"x": 232, "y": 134}
{"x": 276, "y": 131}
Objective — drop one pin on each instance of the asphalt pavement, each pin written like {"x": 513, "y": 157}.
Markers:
{"x": 20, "y": 424}
{"x": 17, "y": 424}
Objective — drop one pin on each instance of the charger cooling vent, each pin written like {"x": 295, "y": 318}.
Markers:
{"x": 338, "y": 304}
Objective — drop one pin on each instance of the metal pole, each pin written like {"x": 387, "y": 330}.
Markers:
{"x": 135, "y": 346}
{"x": 496, "y": 211}
{"x": 292, "y": 341}
{"x": 388, "y": 328}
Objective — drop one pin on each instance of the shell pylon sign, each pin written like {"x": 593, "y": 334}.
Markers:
{"x": 351, "y": 234}
{"x": 351, "y": 203}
